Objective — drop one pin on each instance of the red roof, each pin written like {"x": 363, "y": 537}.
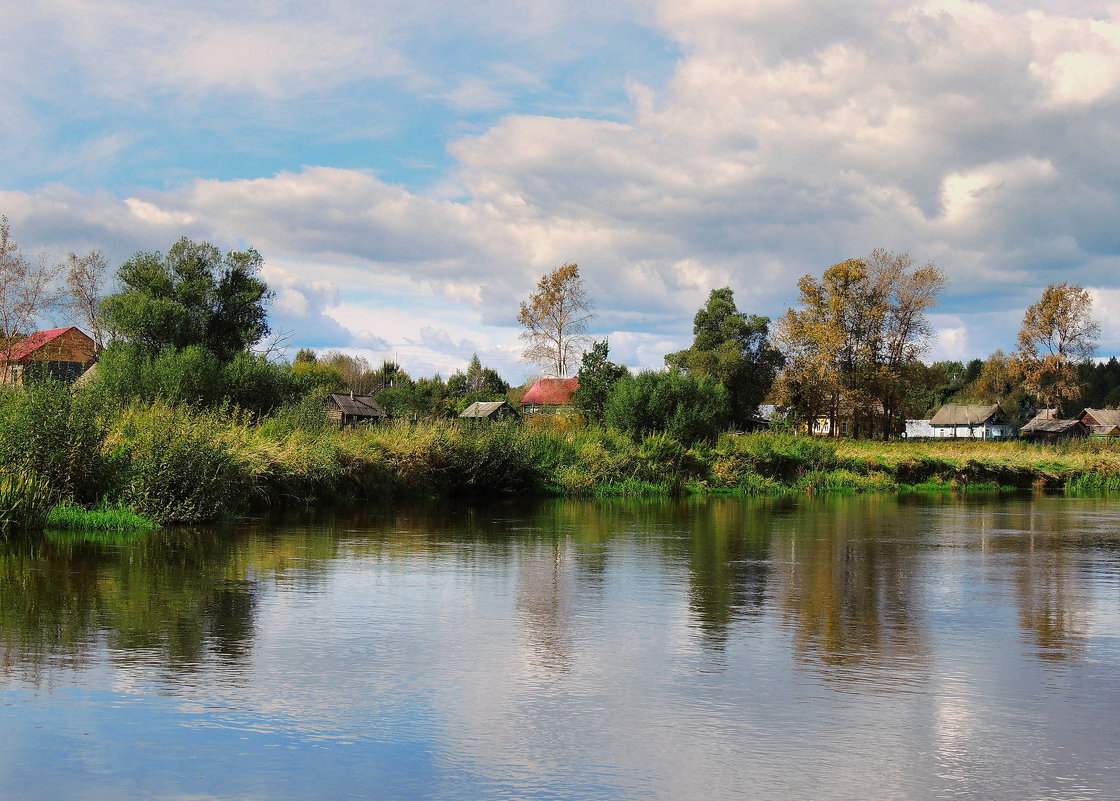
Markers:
{"x": 551, "y": 392}
{"x": 25, "y": 347}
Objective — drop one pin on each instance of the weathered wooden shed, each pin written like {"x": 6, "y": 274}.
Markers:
{"x": 1101, "y": 422}
{"x": 1048, "y": 429}
{"x": 347, "y": 409}
{"x": 59, "y": 353}
{"x": 490, "y": 410}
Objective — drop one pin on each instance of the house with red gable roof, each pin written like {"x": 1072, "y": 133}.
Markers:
{"x": 548, "y": 395}
{"x": 59, "y": 353}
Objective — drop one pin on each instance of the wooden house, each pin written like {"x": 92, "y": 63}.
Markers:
{"x": 954, "y": 421}
{"x": 1046, "y": 427}
{"x": 59, "y": 353}
{"x": 1101, "y": 422}
{"x": 347, "y": 409}
{"x": 549, "y": 395}
{"x": 489, "y": 410}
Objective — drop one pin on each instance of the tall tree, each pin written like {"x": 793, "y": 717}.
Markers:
{"x": 1058, "y": 334}
{"x": 192, "y": 295}
{"x": 851, "y": 346}
{"x": 27, "y": 291}
{"x": 85, "y": 283}
{"x": 597, "y": 377}
{"x": 734, "y": 348}
{"x": 555, "y": 319}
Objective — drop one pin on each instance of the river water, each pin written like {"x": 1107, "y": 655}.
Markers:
{"x": 867, "y": 647}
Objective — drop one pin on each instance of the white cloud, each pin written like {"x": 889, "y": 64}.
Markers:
{"x": 788, "y": 137}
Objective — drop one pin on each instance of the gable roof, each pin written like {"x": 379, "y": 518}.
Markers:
{"x": 357, "y": 405}
{"x": 551, "y": 392}
{"x": 25, "y": 347}
{"x": 952, "y": 414}
{"x": 485, "y": 408}
{"x": 1046, "y": 425}
{"x": 1102, "y": 417}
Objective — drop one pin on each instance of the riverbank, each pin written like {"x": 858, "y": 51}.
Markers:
{"x": 175, "y": 464}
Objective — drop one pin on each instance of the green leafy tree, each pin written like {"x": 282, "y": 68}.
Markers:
{"x": 192, "y": 295}
{"x": 733, "y": 348}
{"x": 478, "y": 383}
{"x": 687, "y": 408}
{"x": 597, "y": 377}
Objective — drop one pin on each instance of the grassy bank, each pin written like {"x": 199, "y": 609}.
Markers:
{"x": 122, "y": 469}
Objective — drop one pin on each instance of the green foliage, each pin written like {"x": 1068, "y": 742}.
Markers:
{"x": 195, "y": 377}
{"x": 735, "y": 349}
{"x": 25, "y": 501}
{"x": 175, "y": 466}
{"x": 192, "y": 296}
{"x": 687, "y": 408}
{"x": 48, "y": 432}
{"x": 68, "y": 516}
{"x": 597, "y": 377}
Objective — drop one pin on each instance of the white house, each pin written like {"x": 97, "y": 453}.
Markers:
{"x": 954, "y": 421}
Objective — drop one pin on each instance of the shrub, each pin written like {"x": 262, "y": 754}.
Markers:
{"x": 48, "y": 432}
{"x": 686, "y": 408}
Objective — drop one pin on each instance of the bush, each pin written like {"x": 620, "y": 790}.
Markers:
{"x": 686, "y": 408}
{"x": 48, "y": 432}
{"x": 176, "y": 468}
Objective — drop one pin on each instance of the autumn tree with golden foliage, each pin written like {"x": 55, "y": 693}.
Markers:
{"x": 1058, "y": 334}
{"x": 555, "y": 319}
{"x": 849, "y": 346}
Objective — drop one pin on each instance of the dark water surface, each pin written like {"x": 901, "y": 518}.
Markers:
{"x": 853, "y": 648}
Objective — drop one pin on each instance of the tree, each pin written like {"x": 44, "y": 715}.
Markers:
{"x": 27, "y": 291}
{"x": 597, "y": 377}
{"x": 85, "y": 281}
{"x": 687, "y": 408}
{"x": 733, "y": 348}
{"x": 476, "y": 384}
{"x": 1058, "y": 334}
{"x": 193, "y": 295}
{"x": 555, "y": 320}
{"x": 852, "y": 345}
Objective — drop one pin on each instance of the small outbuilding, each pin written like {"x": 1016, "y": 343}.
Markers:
{"x": 489, "y": 410}
{"x": 62, "y": 354}
{"x": 347, "y": 409}
{"x": 549, "y": 395}
{"x": 1049, "y": 429}
{"x": 956, "y": 421}
{"x": 1101, "y": 422}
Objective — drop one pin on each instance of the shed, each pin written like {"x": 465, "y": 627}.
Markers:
{"x": 59, "y": 353}
{"x": 1049, "y": 429}
{"x": 347, "y": 409}
{"x": 549, "y": 395}
{"x": 1101, "y": 422}
{"x": 971, "y": 421}
{"x": 489, "y": 410}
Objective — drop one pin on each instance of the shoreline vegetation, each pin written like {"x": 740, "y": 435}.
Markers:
{"x": 141, "y": 465}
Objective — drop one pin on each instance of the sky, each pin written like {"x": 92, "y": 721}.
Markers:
{"x": 409, "y": 170}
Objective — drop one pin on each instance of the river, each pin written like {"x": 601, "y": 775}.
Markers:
{"x": 868, "y": 647}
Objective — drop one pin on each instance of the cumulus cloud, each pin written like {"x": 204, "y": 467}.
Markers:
{"x": 787, "y": 137}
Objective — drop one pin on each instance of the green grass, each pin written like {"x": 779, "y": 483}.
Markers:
{"x": 25, "y": 501}
{"x": 106, "y": 517}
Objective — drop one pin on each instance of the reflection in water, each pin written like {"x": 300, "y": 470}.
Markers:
{"x": 564, "y": 649}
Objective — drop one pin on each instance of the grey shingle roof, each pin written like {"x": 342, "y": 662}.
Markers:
{"x": 1102, "y": 417}
{"x": 358, "y": 405}
{"x": 952, "y": 414}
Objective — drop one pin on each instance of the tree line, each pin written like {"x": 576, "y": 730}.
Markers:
{"x": 191, "y": 325}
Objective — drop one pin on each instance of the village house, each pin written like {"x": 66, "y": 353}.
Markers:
{"x": 1046, "y": 426}
{"x": 347, "y": 409}
{"x": 917, "y": 429}
{"x": 489, "y": 410}
{"x": 1101, "y": 422}
{"x": 59, "y": 353}
{"x": 549, "y": 395}
{"x": 956, "y": 421}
